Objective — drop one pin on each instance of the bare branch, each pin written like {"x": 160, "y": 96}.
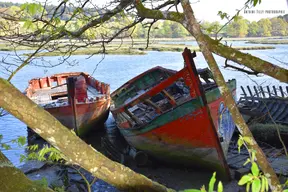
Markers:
{"x": 240, "y": 69}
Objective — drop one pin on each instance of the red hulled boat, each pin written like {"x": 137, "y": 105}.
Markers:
{"x": 176, "y": 116}
{"x": 76, "y": 99}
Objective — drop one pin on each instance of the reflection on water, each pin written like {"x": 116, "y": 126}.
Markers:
{"x": 117, "y": 69}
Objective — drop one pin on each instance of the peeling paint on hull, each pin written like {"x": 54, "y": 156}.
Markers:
{"x": 76, "y": 99}
{"x": 185, "y": 124}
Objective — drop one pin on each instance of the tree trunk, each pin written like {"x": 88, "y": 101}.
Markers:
{"x": 76, "y": 150}
{"x": 254, "y": 63}
{"x": 193, "y": 27}
{"x": 12, "y": 179}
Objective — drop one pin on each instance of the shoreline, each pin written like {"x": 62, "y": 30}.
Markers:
{"x": 140, "y": 50}
{"x": 137, "y": 46}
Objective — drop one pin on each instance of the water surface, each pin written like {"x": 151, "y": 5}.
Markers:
{"x": 117, "y": 69}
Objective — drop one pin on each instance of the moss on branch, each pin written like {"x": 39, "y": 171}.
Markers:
{"x": 254, "y": 63}
{"x": 158, "y": 14}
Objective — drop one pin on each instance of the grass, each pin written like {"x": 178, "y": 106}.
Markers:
{"x": 269, "y": 41}
{"x": 90, "y": 51}
{"x": 125, "y": 48}
{"x": 7, "y": 47}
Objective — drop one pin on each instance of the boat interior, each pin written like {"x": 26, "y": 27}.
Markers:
{"x": 147, "y": 109}
{"x": 53, "y": 91}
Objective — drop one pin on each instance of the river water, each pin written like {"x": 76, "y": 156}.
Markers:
{"x": 117, "y": 69}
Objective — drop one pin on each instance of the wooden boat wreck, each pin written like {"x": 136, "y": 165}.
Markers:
{"x": 176, "y": 116}
{"x": 76, "y": 99}
{"x": 264, "y": 104}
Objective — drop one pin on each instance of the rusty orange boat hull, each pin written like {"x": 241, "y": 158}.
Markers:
{"x": 84, "y": 106}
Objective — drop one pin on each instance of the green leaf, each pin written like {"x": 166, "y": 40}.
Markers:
{"x": 255, "y": 169}
{"x": 256, "y": 185}
{"x": 255, "y": 3}
{"x": 56, "y": 20}
{"x": 1, "y": 137}
{"x": 32, "y": 8}
{"x": 263, "y": 183}
{"x": 285, "y": 190}
{"x": 5, "y": 146}
{"x": 220, "y": 187}
{"x": 247, "y": 161}
{"x": 22, "y": 158}
{"x": 246, "y": 139}
{"x": 33, "y": 147}
{"x": 245, "y": 179}
{"x": 212, "y": 182}
{"x": 248, "y": 187}
{"x": 266, "y": 184}
{"x": 27, "y": 24}
{"x": 21, "y": 141}
{"x": 253, "y": 155}
{"x": 240, "y": 142}
{"x": 203, "y": 189}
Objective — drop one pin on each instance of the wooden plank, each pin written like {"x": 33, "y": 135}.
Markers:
{"x": 281, "y": 91}
{"x": 268, "y": 89}
{"x": 170, "y": 98}
{"x": 262, "y": 91}
{"x": 250, "y": 92}
{"x": 154, "y": 91}
{"x": 156, "y": 107}
{"x": 243, "y": 90}
{"x": 275, "y": 91}
{"x": 256, "y": 91}
{"x": 132, "y": 116}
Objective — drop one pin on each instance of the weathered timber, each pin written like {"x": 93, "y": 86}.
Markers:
{"x": 263, "y": 106}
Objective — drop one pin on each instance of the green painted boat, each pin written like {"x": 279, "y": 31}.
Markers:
{"x": 176, "y": 116}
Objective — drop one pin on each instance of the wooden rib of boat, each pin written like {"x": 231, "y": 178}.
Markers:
{"x": 76, "y": 99}
{"x": 165, "y": 114}
{"x": 260, "y": 105}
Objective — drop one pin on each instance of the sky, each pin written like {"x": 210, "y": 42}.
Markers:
{"x": 207, "y": 9}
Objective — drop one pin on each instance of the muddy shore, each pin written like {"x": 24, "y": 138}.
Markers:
{"x": 168, "y": 175}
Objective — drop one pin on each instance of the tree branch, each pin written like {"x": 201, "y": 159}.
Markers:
{"x": 158, "y": 14}
{"x": 240, "y": 69}
{"x": 254, "y": 63}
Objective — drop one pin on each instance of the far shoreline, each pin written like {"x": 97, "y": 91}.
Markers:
{"x": 138, "y": 46}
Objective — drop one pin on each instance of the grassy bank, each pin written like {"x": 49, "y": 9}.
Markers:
{"x": 269, "y": 41}
{"x": 91, "y": 51}
{"x": 123, "y": 47}
{"x": 8, "y": 47}
{"x": 139, "y": 51}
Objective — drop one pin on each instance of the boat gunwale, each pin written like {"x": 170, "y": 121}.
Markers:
{"x": 103, "y": 96}
{"x": 129, "y": 82}
{"x": 171, "y": 109}
{"x": 143, "y": 95}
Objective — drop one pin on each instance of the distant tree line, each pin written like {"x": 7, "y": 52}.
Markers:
{"x": 240, "y": 27}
